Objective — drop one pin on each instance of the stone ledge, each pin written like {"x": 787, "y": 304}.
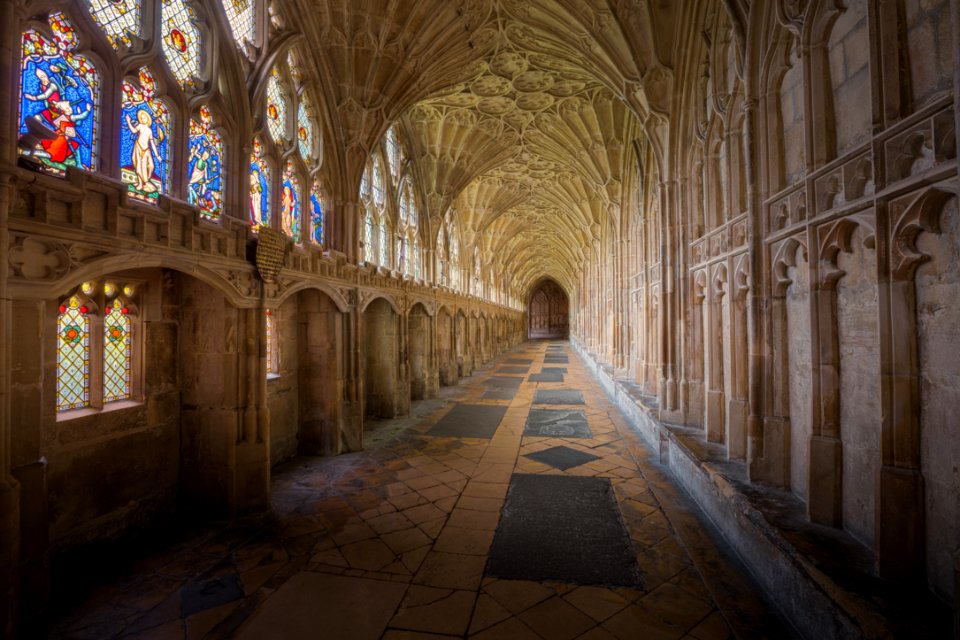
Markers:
{"x": 816, "y": 605}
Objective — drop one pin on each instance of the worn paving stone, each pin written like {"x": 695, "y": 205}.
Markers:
{"x": 558, "y": 396}
{"x": 513, "y": 370}
{"x": 557, "y": 423}
{"x": 470, "y": 421}
{"x": 550, "y": 376}
{"x": 504, "y": 381}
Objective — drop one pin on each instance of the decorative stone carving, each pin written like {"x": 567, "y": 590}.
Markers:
{"x": 33, "y": 259}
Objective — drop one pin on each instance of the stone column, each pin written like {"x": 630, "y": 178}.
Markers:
{"x": 9, "y": 488}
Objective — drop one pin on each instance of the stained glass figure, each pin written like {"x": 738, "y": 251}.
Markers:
{"x": 290, "y": 203}
{"x": 181, "y": 41}
{"x": 316, "y": 215}
{"x": 241, "y": 14}
{"x": 73, "y": 356}
{"x": 116, "y": 353}
{"x": 205, "y": 170}
{"x": 304, "y": 129}
{"x": 368, "y": 237}
{"x": 145, "y": 142}
{"x": 259, "y": 187}
{"x": 59, "y": 100}
{"x": 119, "y": 19}
{"x": 276, "y": 107}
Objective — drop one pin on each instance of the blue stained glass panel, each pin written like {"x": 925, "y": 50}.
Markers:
{"x": 59, "y": 101}
{"x": 204, "y": 171}
{"x": 259, "y": 188}
{"x": 316, "y": 216}
{"x": 144, "y": 140}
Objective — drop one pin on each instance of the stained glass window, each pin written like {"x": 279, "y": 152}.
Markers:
{"x": 316, "y": 214}
{"x": 276, "y": 107}
{"x": 116, "y": 353}
{"x": 379, "y": 184}
{"x": 181, "y": 41}
{"x": 259, "y": 187}
{"x": 73, "y": 356}
{"x": 416, "y": 258}
{"x": 407, "y": 257}
{"x": 304, "y": 129}
{"x": 205, "y": 171}
{"x": 401, "y": 265}
{"x": 384, "y": 243}
{"x": 290, "y": 203}
{"x": 393, "y": 152}
{"x": 119, "y": 19}
{"x": 273, "y": 351}
{"x": 59, "y": 100}
{"x": 368, "y": 236}
{"x": 454, "y": 259}
{"x": 365, "y": 182}
{"x": 241, "y": 14}
{"x": 145, "y": 139}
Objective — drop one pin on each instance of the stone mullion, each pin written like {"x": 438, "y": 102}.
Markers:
{"x": 667, "y": 391}
{"x": 889, "y": 69}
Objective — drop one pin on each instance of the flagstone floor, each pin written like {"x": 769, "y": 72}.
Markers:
{"x": 393, "y": 542}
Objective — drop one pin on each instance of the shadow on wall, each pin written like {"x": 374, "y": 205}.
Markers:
{"x": 549, "y": 312}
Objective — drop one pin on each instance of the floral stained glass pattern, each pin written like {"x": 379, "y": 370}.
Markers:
{"x": 316, "y": 215}
{"x": 144, "y": 141}
{"x": 290, "y": 203}
{"x": 119, "y": 19}
{"x": 259, "y": 187}
{"x": 73, "y": 356}
{"x": 59, "y": 100}
{"x": 181, "y": 41}
{"x": 241, "y": 14}
{"x": 305, "y": 130}
{"x": 204, "y": 170}
{"x": 276, "y": 107}
{"x": 116, "y": 353}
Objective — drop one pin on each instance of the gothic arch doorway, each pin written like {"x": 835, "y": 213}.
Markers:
{"x": 548, "y": 312}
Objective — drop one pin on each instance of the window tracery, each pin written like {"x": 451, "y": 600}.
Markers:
{"x": 119, "y": 20}
{"x": 305, "y": 129}
{"x": 205, "y": 168}
{"x": 181, "y": 41}
{"x": 59, "y": 100}
{"x": 145, "y": 142}
{"x": 241, "y": 14}
{"x": 73, "y": 355}
{"x": 276, "y": 108}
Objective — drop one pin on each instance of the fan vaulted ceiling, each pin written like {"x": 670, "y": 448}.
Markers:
{"x": 520, "y": 115}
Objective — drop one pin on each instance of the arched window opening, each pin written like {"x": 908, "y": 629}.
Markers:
{"x": 119, "y": 20}
{"x": 204, "y": 171}
{"x": 73, "y": 355}
{"x": 116, "y": 352}
{"x": 259, "y": 187}
{"x": 368, "y": 238}
{"x": 145, "y": 142}
{"x": 181, "y": 41}
{"x": 59, "y": 101}
{"x": 290, "y": 203}
{"x": 394, "y": 152}
{"x": 384, "y": 242}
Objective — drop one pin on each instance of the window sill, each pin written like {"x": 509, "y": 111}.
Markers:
{"x": 76, "y": 414}
{"x": 273, "y": 376}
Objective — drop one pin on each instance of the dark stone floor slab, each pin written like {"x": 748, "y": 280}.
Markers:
{"x": 503, "y": 381}
{"x": 558, "y": 396}
{"x": 563, "y": 528}
{"x": 562, "y": 457}
{"x": 500, "y": 393}
{"x": 546, "y": 377}
{"x": 560, "y": 370}
{"x": 557, "y": 423}
{"x": 469, "y": 421}
{"x": 556, "y": 360}
{"x": 514, "y": 370}
{"x": 207, "y": 594}
{"x": 518, "y": 361}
